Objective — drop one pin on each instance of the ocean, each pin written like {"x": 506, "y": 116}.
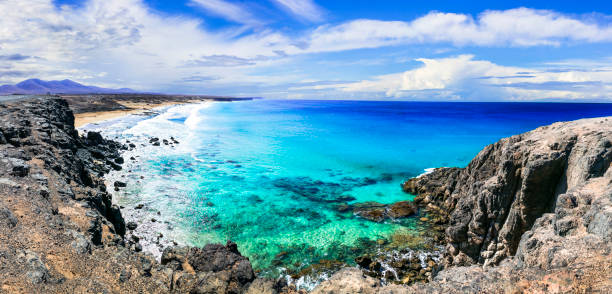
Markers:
{"x": 270, "y": 175}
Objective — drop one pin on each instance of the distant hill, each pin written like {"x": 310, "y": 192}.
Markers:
{"x": 36, "y": 86}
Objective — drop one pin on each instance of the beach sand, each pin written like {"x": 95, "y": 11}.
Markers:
{"x": 81, "y": 119}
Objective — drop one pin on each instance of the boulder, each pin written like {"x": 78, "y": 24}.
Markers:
{"x": 402, "y": 209}
{"x": 94, "y": 138}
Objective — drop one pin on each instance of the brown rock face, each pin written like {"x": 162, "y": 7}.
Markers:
{"x": 402, "y": 209}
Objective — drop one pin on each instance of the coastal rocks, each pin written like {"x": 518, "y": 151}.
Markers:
{"x": 155, "y": 141}
{"x": 404, "y": 266}
{"x": 534, "y": 209}
{"x": 119, "y": 184}
{"x": 131, "y": 226}
{"x": 510, "y": 184}
{"x": 378, "y": 212}
{"x": 373, "y": 211}
{"x": 60, "y": 232}
{"x": 94, "y": 138}
{"x": 221, "y": 269}
{"x": 401, "y": 209}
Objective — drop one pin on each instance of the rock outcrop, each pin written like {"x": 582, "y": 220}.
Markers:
{"x": 530, "y": 213}
{"x": 60, "y": 232}
{"x": 510, "y": 184}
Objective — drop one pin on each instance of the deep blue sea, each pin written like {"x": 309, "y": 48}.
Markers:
{"x": 269, "y": 175}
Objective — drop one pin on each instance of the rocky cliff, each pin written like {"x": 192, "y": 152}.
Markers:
{"x": 530, "y": 213}
{"x": 60, "y": 232}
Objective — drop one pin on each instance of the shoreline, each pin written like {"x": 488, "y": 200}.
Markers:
{"x": 132, "y": 108}
{"x": 305, "y": 278}
{"x": 60, "y": 232}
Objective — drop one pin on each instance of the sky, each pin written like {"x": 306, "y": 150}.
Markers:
{"x": 312, "y": 49}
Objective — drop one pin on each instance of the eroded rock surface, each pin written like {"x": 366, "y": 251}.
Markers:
{"x": 60, "y": 232}
{"x": 530, "y": 213}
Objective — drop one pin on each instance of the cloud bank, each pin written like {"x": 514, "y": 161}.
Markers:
{"x": 124, "y": 43}
{"x": 463, "y": 77}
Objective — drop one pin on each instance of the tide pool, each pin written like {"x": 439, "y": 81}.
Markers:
{"x": 270, "y": 175}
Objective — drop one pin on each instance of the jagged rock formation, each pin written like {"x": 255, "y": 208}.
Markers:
{"x": 60, "y": 232}
{"x": 513, "y": 182}
{"x": 530, "y": 213}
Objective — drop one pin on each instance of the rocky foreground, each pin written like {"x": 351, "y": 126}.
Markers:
{"x": 531, "y": 213}
{"x": 60, "y": 232}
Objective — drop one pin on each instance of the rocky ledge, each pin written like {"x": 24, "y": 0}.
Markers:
{"x": 530, "y": 213}
{"x": 60, "y": 232}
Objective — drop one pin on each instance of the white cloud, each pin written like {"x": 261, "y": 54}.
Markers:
{"x": 519, "y": 27}
{"x": 135, "y": 46}
{"x": 138, "y": 48}
{"x": 463, "y": 77}
{"x": 228, "y": 10}
{"x": 305, "y": 9}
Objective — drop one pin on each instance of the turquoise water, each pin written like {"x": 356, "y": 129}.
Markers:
{"x": 269, "y": 175}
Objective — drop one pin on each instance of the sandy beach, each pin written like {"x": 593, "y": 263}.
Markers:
{"x": 81, "y": 119}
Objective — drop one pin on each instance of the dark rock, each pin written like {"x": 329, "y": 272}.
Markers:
{"x": 80, "y": 244}
{"x": 115, "y": 217}
{"x": 119, "y": 184}
{"x": 7, "y": 218}
{"x": 125, "y": 276}
{"x": 95, "y": 138}
{"x": 137, "y": 247}
{"x": 19, "y": 167}
{"x": 401, "y": 209}
{"x": 216, "y": 258}
{"x": 174, "y": 257}
{"x": 363, "y": 261}
{"x": 132, "y": 226}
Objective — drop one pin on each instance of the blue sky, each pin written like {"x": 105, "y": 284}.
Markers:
{"x": 309, "y": 49}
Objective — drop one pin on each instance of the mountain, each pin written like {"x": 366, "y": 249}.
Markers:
{"x": 36, "y": 86}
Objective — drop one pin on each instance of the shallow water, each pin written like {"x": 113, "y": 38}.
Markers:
{"x": 269, "y": 175}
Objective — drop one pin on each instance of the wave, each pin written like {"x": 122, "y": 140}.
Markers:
{"x": 427, "y": 171}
